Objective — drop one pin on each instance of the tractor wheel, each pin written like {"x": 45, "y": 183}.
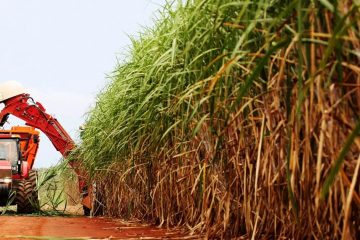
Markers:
{"x": 4, "y": 195}
{"x": 96, "y": 203}
{"x": 26, "y": 197}
{"x": 87, "y": 211}
{"x": 33, "y": 177}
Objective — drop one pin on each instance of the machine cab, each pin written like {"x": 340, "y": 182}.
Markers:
{"x": 10, "y": 153}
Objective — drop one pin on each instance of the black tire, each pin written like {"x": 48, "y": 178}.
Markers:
{"x": 86, "y": 211}
{"x": 98, "y": 203}
{"x": 33, "y": 177}
{"x": 4, "y": 195}
{"x": 26, "y": 198}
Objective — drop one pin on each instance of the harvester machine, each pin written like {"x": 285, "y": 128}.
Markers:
{"x": 19, "y": 145}
{"x": 18, "y": 148}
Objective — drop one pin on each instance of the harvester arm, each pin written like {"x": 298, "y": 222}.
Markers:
{"x": 34, "y": 114}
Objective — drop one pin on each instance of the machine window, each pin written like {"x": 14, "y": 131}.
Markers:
{"x": 9, "y": 150}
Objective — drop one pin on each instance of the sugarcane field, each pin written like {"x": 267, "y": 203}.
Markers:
{"x": 180, "y": 119}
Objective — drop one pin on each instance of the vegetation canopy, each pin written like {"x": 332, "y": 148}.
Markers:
{"x": 235, "y": 118}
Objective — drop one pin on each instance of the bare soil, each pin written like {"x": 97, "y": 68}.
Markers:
{"x": 78, "y": 227}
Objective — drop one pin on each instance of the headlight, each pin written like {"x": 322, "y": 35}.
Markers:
{"x": 5, "y": 180}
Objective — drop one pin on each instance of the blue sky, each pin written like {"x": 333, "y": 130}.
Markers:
{"x": 63, "y": 50}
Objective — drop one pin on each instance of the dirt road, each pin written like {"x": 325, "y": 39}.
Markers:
{"x": 34, "y": 227}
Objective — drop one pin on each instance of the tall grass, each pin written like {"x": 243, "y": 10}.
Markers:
{"x": 235, "y": 118}
{"x": 57, "y": 188}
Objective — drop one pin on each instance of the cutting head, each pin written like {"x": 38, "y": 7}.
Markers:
{"x": 10, "y": 89}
